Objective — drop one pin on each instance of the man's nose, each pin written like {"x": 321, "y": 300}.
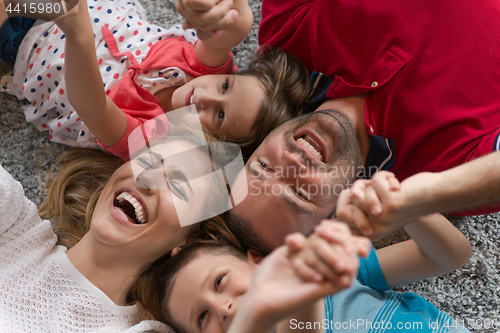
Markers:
{"x": 294, "y": 164}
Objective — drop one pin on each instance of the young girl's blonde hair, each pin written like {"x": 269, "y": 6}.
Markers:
{"x": 286, "y": 82}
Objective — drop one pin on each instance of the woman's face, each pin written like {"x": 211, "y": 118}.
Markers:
{"x": 139, "y": 207}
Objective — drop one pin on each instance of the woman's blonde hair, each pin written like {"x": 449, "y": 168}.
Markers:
{"x": 286, "y": 83}
{"x": 78, "y": 179}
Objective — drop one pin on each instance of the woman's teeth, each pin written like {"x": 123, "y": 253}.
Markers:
{"x": 139, "y": 210}
{"x": 309, "y": 147}
{"x": 191, "y": 99}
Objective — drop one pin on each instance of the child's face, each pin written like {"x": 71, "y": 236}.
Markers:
{"x": 206, "y": 293}
{"x": 226, "y": 104}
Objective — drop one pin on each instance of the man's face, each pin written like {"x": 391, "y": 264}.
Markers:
{"x": 297, "y": 173}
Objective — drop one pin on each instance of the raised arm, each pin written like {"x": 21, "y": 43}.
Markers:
{"x": 472, "y": 185}
{"x": 278, "y": 290}
{"x": 436, "y": 248}
{"x": 84, "y": 85}
{"x": 234, "y": 20}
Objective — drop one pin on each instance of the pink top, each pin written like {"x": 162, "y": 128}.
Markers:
{"x": 138, "y": 104}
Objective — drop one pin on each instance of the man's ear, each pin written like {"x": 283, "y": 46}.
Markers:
{"x": 254, "y": 257}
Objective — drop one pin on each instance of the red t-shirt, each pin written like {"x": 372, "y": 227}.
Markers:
{"x": 138, "y": 104}
{"x": 431, "y": 70}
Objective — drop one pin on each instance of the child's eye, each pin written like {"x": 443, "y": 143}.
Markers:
{"x": 221, "y": 116}
{"x": 218, "y": 281}
{"x": 225, "y": 86}
{"x": 201, "y": 317}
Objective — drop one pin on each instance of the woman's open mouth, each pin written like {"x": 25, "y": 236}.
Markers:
{"x": 130, "y": 208}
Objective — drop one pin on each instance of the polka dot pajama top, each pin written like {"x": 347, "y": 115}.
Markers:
{"x": 38, "y": 71}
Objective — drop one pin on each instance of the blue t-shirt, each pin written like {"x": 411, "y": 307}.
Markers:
{"x": 371, "y": 306}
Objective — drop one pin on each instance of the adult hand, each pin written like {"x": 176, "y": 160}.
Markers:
{"x": 208, "y": 17}
{"x": 328, "y": 254}
{"x": 381, "y": 205}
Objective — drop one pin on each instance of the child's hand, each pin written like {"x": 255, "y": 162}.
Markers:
{"x": 329, "y": 254}
{"x": 277, "y": 291}
{"x": 74, "y": 21}
{"x": 371, "y": 206}
{"x": 208, "y": 17}
{"x": 46, "y": 10}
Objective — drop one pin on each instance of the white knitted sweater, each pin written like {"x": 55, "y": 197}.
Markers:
{"x": 40, "y": 290}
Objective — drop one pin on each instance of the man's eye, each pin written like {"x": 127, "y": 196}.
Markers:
{"x": 225, "y": 86}
{"x": 300, "y": 194}
{"x": 221, "y": 116}
{"x": 177, "y": 190}
{"x": 201, "y": 317}
{"x": 263, "y": 165}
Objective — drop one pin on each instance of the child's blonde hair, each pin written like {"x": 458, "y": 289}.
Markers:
{"x": 286, "y": 82}
{"x": 156, "y": 293}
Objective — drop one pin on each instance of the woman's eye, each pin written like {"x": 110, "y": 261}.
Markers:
{"x": 177, "y": 190}
{"x": 201, "y": 317}
{"x": 225, "y": 86}
{"x": 144, "y": 163}
{"x": 221, "y": 116}
{"x": 150, "y": 162}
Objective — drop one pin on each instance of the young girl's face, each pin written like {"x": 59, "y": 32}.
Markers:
{"x": 226, "y": 104}
{"x": 206, "y": 293}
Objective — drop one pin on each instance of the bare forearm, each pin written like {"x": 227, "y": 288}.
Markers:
{"x": 214, "y": 52}
{"x": 440, "y": 241}
{"x": 84, "y": 84}
{"x": 436, "y": 248}
{"x": 472, "y": 185}
{"x": 83, "y": 80}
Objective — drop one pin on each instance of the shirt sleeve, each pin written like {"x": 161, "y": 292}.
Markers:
{"x": 227, "y": 68}
{"x": 120, "y": 149}
{"x": 370, "y": 273}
